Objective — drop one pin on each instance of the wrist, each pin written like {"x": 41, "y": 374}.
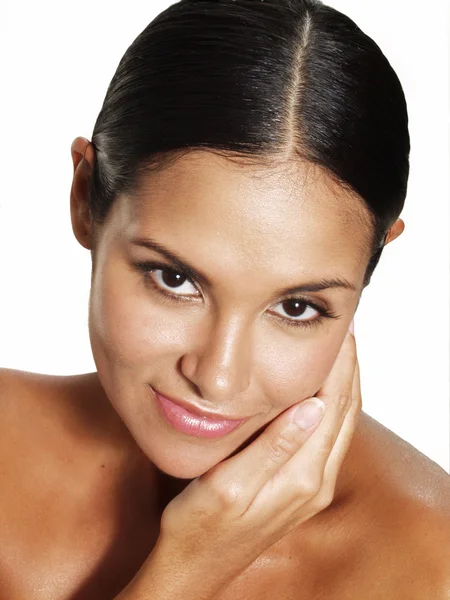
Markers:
{"x": 165, "y": 576}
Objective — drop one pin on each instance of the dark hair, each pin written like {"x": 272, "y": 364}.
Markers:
{"x": 257, "y": 79}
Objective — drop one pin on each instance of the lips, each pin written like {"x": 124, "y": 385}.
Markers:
{"x": 195, "y": 410}
{"x": 191, "y": 420}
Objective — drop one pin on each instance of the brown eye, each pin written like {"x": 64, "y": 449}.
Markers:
{"x": 170, "y": 280}
{"x": 295, "y": 309}
{"x": 173, "y": 279}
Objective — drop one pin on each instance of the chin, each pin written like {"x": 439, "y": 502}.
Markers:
{"x": 181, "y": 468}
{"x": 188, "y": 462}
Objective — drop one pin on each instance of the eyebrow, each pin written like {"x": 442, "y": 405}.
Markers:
{"x": 192, "y": 273}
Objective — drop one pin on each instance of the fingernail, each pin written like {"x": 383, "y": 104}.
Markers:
{"x": 309, "y": 413}
{"x": 351, "y": 327}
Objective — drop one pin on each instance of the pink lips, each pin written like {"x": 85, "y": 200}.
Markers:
{"x": 192, "y": 424}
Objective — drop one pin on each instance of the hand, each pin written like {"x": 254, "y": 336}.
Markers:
{"x": 224, "y": 519}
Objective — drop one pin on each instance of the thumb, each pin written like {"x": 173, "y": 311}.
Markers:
{"x": 252, "y": 468}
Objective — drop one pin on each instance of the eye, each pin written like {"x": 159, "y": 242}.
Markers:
{"x": 294, "y": 308}
{"x": 298, "y": 312}
{"x": 167, "y": 281}
{"x": 173, "y": 281}
{"x": 176, "y": 286}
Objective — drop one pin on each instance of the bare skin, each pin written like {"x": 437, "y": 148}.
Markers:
{"x": 83, "y": 479}
{"x": 73, "y": 527}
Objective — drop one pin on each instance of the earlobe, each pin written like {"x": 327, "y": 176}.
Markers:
{"x": 83, "y": 159}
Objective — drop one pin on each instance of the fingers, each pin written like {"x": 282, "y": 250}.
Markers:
{"x": 304, "y": 473}
{"x": 338, "y": 385}
{"x": 343, "y": 441}
{"x": 336, "y": 393}
{"x": 259, "y": 469}
{"x": 241, "y": 477}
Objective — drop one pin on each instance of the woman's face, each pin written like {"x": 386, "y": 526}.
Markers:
{"x": 231, "y": 342}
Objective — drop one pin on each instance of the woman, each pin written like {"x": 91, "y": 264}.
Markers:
{"x": 248, "y": 166}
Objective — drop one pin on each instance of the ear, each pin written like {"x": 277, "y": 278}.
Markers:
{"x": 395, "y": 230}
{"x": 83, "y": 161}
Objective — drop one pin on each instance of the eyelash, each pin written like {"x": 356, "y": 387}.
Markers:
{"x": 147, "y": 268}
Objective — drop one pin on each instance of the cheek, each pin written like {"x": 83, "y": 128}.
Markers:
{"x": 296, "y": 371}
{"x": 127, "y": 324}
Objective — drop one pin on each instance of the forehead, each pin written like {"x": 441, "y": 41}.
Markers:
{"x": 256, "y": 212}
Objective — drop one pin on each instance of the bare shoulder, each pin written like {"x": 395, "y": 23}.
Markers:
{"x": 61, "y": 487}
{"x": 52, "y": 399}
{"x": 10, "y": 377}
{"x": 29, "y": 385}
{"x": 409, "y": 509}
{"x": 20, "y": 392}
{"x": 400, "y": 467}
{"x": 32, "y": 406}
{"x": 33, "y": 418}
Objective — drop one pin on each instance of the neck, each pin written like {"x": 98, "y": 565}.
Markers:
{"x": 169, "y": 487}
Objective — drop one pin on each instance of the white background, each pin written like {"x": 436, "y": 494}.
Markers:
{"x": 58, "y": 60}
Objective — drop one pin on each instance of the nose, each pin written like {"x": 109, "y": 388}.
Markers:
{"x": 219, "y": 361}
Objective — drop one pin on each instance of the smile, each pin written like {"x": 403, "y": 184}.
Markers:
{"x": 192, "y": 421}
